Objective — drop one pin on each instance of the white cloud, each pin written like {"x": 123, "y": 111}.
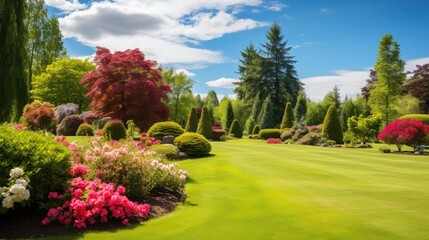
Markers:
{"x": 223, "y": 83}
{"x": 325, "y": 11}
{"x": 276, "y": 7}
{"x": 66, "y": 5}
{"x": 168, "y": 31}
{"x": 349, "y": 82}
{"x": 184, "y": 71}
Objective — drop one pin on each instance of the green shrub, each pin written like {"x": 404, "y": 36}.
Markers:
{"x": 384, "y": 149}
{"x": 236, "y": 129}
{"x": 256, "y": 130}
{"x": 269, "y": 133}
{"x": 194, "y": 144}
{"x": 192, "y": 123}
{"x": 45, "y": 161}
{"x": 421, "y": 117}
{"x": 287, "y": 134}
{"x": 131, "y": 129}
{"x": 114, "y": 130}
{"x": 288, "y": 118}
{"x": 250, "y": 124}
{"x": 205, "y": 124}
{"x": 166, "y": 150}
{"x": 69, "y": 125}
{"x": 332, "y": 129}
{"x": 161, "y": 129}
{"x": 103, "y": 122}
{"x": 85, "y": 130}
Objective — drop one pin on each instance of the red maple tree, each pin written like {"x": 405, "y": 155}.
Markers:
{"x": 127, "y": 86}
{"x": 404, "y": 131}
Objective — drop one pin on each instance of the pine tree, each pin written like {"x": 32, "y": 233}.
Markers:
{"x": 236, "y": 129}
{"x": 332, "y": 129}
{"x": 229, "y": 116}
{"x": 192, "y": 123}
{"x": 288, "y": 118}
{"x": 301, "y": 106}
{"x": 266, "y": 119}
{"x": 205, "y": 124}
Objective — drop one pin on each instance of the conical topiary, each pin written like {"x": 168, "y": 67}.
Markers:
{"x": 250, "y": 124}
{"x": 266, "y": 117}
{"x": 288, "y": 118}
{"x": 256, "y": 130}
{"x": 205, "y": 124}
{"x": 332, "y": 129}
{"x": 192, "y": 124}
{"x": 236, "y": 129}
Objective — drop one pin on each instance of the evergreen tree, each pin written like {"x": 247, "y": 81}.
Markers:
{"x": 348, "y": 110}
{"x": 13, "y": 81}
{"x": 332, "y": 129}
{"x": 335, "y": 97}
{"x": 288, "y": 118}
{"x": 211, "y": 100}
{"x": 250, "y": 124}
{"x": 192, "y": 123}
{"x": 205, "y": 124}
{"x": 301, "y": 106}
{"x": 256, "y": 108}
{"x": 236, "y": 129}
{"x": 229, "y": 116}
{"x": 266, "y": 119}
{"x": 199, "y": 101}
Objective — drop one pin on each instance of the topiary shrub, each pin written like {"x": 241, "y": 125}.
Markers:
{"x": 192, "y": 123}
{"x": 194, "y": 144}
{"x": 288, "y": 118}
{"x": 256, "y": 130}
{"x": 236, "y": 129}
{"x": 269, "y": 133}
{"x": 161, "y": 129}
{"x": 205, "y": 124}
{"x": 64, "y": 110}
{"x": 424, "y": 118}
{"x": 85, "y": 130}
{"x": 39, "y": 116}
{"x": 103, "y": 122}
{"x": 166, "y": 150}
{"x": 332, "y": 129}
{"x": 45, "y": 161}
{"x": 69, "y": 125}
{"x": 114, "y": 130}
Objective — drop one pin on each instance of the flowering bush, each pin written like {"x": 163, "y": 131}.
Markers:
{"x": 274, "y": 140}
{"x": 148, "y": 141}
{"x": 16, "y": 191}
{"x": 39, "y": 115}
{"x": 404, "y": 131}
{"x": 87, "y": 202}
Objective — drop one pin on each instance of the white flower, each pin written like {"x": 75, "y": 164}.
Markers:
{"x": 17, "y": 189}
{"x": 27, "y": 179}
{"x": 21, "y": 181}
{"x": 3, "y": 189}
{"x": 7, "y": 202}
{"x": 16, "y": 172}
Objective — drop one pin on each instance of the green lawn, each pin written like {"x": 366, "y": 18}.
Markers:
{"x": 252, "y": 190}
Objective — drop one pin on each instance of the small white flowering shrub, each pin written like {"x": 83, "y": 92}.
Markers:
{"x": 15, "y": 191}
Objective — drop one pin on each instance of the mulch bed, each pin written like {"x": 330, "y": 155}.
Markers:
{"x": 25, "y": 223}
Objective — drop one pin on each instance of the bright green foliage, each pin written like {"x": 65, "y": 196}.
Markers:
{"x": 269, "y": 133}
{"x": 250, "y": 124}
{"x": 60, "y": 83}
{"x": 211, "y": 99}
{"x": 192, "y": 123}
{"x": 365, "y": 129}
{"x": 45, "y": 161}
{"x": 162, "y": 129}
{"x": 205, "y": 124}
{"x": 334, "y": 96}
{"x": 390, "y": 77}
{"x": 420, "y": 117}
{"x": 199, "y": 101}
{"x": 131, "y": 129}
{"x": 288, "y": 118}
{"x": 114, "y": 130}
{"x": 194, "y": 144}
{"x": 348, "y": 110}
{"x": 229, "y": 116}
{"x": 301, "y": 106}
{"x": 332, "y": 129}
{"x": 315, "y": 112}
{"x": 13, "y": 80}
{"x": 256, "y": 130}
{"x": 168, "y": 151}
{"x": 266, "y": 117}
{"x": 241, "y": 111}
{"x": 69, "y": 125}
{"x": 236, "y": 129}
{"x": 85, "y": 130}
{"x": 407, "y": 104}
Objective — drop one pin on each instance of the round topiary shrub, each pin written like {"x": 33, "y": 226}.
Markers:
{"x": 205, "y": 124}
{"x": 103, "y": 122}
{"x": 269, "y": 133}
{"x": 69, "y": 125}
{"x": 236, "y": 129}
{"x": 166, "y": 150}
{"x": 161, "y": 129}
{"x": 192, "y": 123}
{"x": 332, "y": 127}
{"x": 256, "y": 130}
{"x": 194, "y": 144}
{"x": 114, "y": 130}
{"x": 85, "y": 130}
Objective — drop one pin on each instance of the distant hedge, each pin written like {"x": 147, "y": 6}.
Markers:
{"x": 269, "y": 133}
{"x": 421, "y": 117}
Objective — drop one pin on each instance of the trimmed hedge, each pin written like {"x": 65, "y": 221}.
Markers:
{"x": 420, "y": 117}
{"x": 332, "y": 129}
{"x": 288, "y": 118}
{"x": 256, "y": 130}
{"x": 205, "y": 124}
{"x": 166, "y": 150}
{"x": 69, "y": 125}
{"x": 43, "y": 160}
{"x": 194, "y": 144}
{"x": 85, "y": 130}
{"x": 162, "y": 129}
{"x": 269, "y": 133}
{"x": 114, "y": 130}
{"x": 236, "y": 129}
{"x": 192, "y": 123}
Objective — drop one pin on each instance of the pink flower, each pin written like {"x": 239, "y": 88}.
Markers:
{"x": 53, "y": 195}
{"x": 77, "y": 193}
{"x": 53, "y": 212}
{"x": 46, "y": 221}
{"x": 125, "y": 221}
{"x": 121, "y": 190}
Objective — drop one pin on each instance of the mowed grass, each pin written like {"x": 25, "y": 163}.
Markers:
{"x": 253, "y": 190}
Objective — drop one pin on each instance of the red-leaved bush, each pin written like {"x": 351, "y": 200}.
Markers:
{"x": 274, "y": 140}
{"x": 127, "y": 86}
{"x": 39, "y": 115}
{"x": 404, "y": 132}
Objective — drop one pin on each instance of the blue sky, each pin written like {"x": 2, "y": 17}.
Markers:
{"x": 334, "y": 42}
